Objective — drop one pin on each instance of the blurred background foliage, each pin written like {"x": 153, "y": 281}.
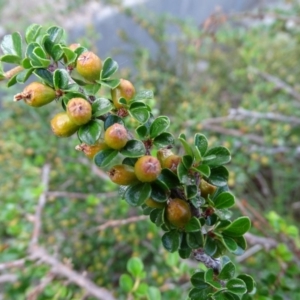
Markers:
{"x": 234, "y": 77}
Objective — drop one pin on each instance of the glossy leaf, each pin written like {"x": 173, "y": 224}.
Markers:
{"x": 12, "y": 44}
{"x": 198, "y": 281}
{"x": 188, "y": 149}
{"x": 238, "y": 227}
{"x": 134, "y": 148}
{"x": 217, "y": 156}
{"x": 210, "y": 247}
{"x": 164, "y": 139}
{"x": 156, "y": 216}
{"x": 45, "y": 75}
{"x": 191, "y": 191}
{"x": 135, "y": 266}
{"x": 140, "y": 113}
{"x": 182, "y": 173}
{"x": 219, "y": 176}
{"x": 250, "y": 283}
{"x": 105, "y": 157}
{"x": 204, "y": 170}
{"x": 227, "y": 272}
{"x": 224, "y": 200}
{"x": 32, "y": 33}
{"x": 142, "y": 132}
{"x": 69, "y": 55}
{"x": 195, "y": 239}
{"x": 24, "y": 75}
{"x": 109, "y": 68}
{"x": 112, "y": 119}
{"x": 193, "y": 225}
{"x": 201, "y": 143}
{"x": 143, "y": 95}
{"x": 101, "y": 106}
{"x": 159, "y": 126}
{"x": 110, "y": 83}
{"x": 197, "y": 294}
{"x": 60, "y": 79}
{"x": 236, "y": 286}
{"x": 158, "y": 193}
{"x": 169, "y": 179}
{"x": 137, "y": 194}
{"x": 171, "y": 240}
{"x": 11, "y": 59}
{"x": 187, "y": 160}
{"x": 55, "y": 34}
{"x": 89, "y": 133}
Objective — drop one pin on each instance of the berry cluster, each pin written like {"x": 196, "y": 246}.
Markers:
{"x": 184, "y": 191}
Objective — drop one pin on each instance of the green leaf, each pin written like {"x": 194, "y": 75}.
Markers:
{"x": 191, "y": 191}
{"x": 182, "y": 173}
{"x": 112, "y": 119}
{"x": 241, "y": 242}
{"x": 156, "y": 216}
{"x": 109, "y": 68}
{"x": 2, "y": 75}
{"x": 224, "y": 200}
{"x": 89, "y": 133}
{"x": 142, "y": 132}
{"x": 153, "y": 293}
{"x": 250, "y": 283}
{"x": 158, "y": 194}
{"x": 210, "y": 247}
{"x": 236, "y": 286}
{"x": 159, "y": 126}
{"x": 26, "y": 63}
{"x": 140, "y": 113}
{"x": 101, "y": 106}
{"x": 164, "y": 139}
{"x": 168, "y": 178}
{"x": 187, "y": 160}
{"x": 197, "y": 294}
{"x": 201, "y": 143}
{"x": 143, "y": 95}
{"x": 105, "y": 157}
{"x": 45, "y": 75}
{"x": 135, "y": 266}
{"x": 60, "y": 79}
{"x": 204, "y": 170}
{"x": 38, "y": 58}
{"x": 32, "y": 33}
{"x": 227, "y": 271}
{"x": 55, "y": 34}
{"x": 126, "y": 283}
{"x": 24, "y": 75}
{"x": 12, "y": 44}
{"x": 137, "y": 194}
{"x": 188, "y": 149}
{"x": 185, "y": 253}
{"x": 110, "y": 83}
{"x": 238, "y": 227}
{"x": 11, "y": 59}
{"x": 171, "y": 240}
{"x": 12, "y": 81}
{"x": 217, "y": 156}
{"x": 219, "y": 176}
{"x": 69, "y": 55}
{"x": 198, "y": 281}
{"x": 195, "y": 239}
{"x": 193, "y": 225}
{"x": 134, "y": 148}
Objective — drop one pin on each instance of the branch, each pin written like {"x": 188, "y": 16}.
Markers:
{"x": 208, "y": 261}
{"x": 56, "y": 194}
{"x": 12, "y": 264}
{"x": 8, "y": 278}
{"x": 11, "y": 73}
{"x": 60, "y": 269}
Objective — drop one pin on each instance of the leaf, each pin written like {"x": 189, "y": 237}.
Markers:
{"x": 45, "y": 75}
{"x": 198, "y": 281}
{"x": 126, "y": 283}
{"x": 24, "y": 75}
{"x": 137, "y": 194}
{"x": 195, "y": 239}
{"x": 204, "y": 170}
{"x": 140, "y": 113}
{"x": 191, "y": 191}
{"x": 105, "y": 157}
{"x": 250, "y": 283}
{"x": 101, "y": 106}
{"x": 69, "y": 55}
{"x": 38, "y": 58}
{"x": 193, "y": 225}
{"x": 188, "y": 149}
{"x": 238, "y": 227}
{"x": 135, "y": 266}
{"x": 60, "y": 79}
{"x": 224, "y": 200}
{"x": 12, "y": 81}
{"x": 110, "y": 83}
{"x": 109, "y": 68}
{"x": 153, "y": 293}
{"x": 55, "y": 34}
{"x": 164, "y": 139}
{"x": 168, "y": 178}
{"x": 143, "y": 95}
{"x": 197, "y": 294}
{"x": 32, "y": 33}
{"x": 210, "y": 247}
{"x": 2, "y": 75}
{"x": 89, "y": 133}
{"x": 182, "y": 173}
{"x": 134, "y": 148}
{"x": 142, "y": 132}
{"x": 156, "y": 216}
{"x": 159, "y": 126}
{"x": 112, "y": 119}
{"x": 11, "y": 59}
{"x": 227, "y": 271}
{"x": 158, "y": 194}
{"x": 171, "y": 240}
{"x": 219, "y": 176}
{"x": 12, "y": 44}
{"x": 217, "y": 156}
{"x": 236, "y": 286}
{"x": 201, "y": 143}
{"x": 230, "y": 244}
{"x": 187, "y": 160}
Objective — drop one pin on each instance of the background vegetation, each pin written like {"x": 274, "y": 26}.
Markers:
{"x": 235, "y": 78}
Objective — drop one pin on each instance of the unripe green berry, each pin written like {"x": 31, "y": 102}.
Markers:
{"x": 124, "y": 90}
{"x": 79, "y": 111}
{"x": 147, "y": 168}
{"x": 178, "y": 212}
{"x": 36, "y": 94}
{"x": 122, "y": 175}
{"x": 62, "y": 126}
{"x": 116, "y": 136}
{"x": 89, "y": 66}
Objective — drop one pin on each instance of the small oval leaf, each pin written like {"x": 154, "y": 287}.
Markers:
{"x": 137, "y": 194}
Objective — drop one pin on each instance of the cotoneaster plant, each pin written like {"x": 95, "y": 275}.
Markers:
{"x": 186, "y": 195}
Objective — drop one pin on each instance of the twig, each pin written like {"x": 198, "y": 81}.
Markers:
{"x": 265, "y": 242}
{"x": 251, "y": 251}
{"x": 40, "y": 206}
{"x": 60, "y": 269}
{"x": 56, "y": 194}
{"x": 8, "y": 278}
{"x": 208, "y": 261}
{"x": 12, "y": 264}
{"x": 11, "y": 73}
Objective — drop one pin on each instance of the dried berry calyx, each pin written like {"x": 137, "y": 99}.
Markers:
{"x": 36, "y": 94}
{"x": 124, "y": 90}
{"x": 178, "y": 212}
{"x": 79, "y": 111}
{"x": 62, "y": 126}
{"x": 91, "y": 150}
{"x": 122, "y": 175}
{"x": 116, "y": 136}
{"x": 206, "y": 188}
{"x": 154, "y": 204}
{"x": 89, "y": 66}
{"x": 147, "y": 168}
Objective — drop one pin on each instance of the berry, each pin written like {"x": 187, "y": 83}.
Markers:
{"x": 178, "y": 212}
{"x": 122, "y": 174}
{"x": 116, "y": 136}
{"x": 168, "y": 159}
{"x": 154, "y": 204}
{"x": 79, "y": 111}
{"x": 124, "y": 90}
{"x": 91, "y": 150}
{"x": 206, "y": 188}
{"x": 89, "y": 66}
{"x": 147, "y": 168}
{"x": 62, "y": 126}
{"x": 36, "y": 94}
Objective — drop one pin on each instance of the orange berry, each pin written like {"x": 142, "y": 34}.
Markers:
{"x": 178, "y": 212}
{"x": 89, "y": 66}
{"x": 62, "y": 126}
{"x": 116, "y": 136}
{"x": 122, "y": 174}
{"x": 79, "y": 111}
{"x": 147, "y": 168}
{"x": 124, "y": 90}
